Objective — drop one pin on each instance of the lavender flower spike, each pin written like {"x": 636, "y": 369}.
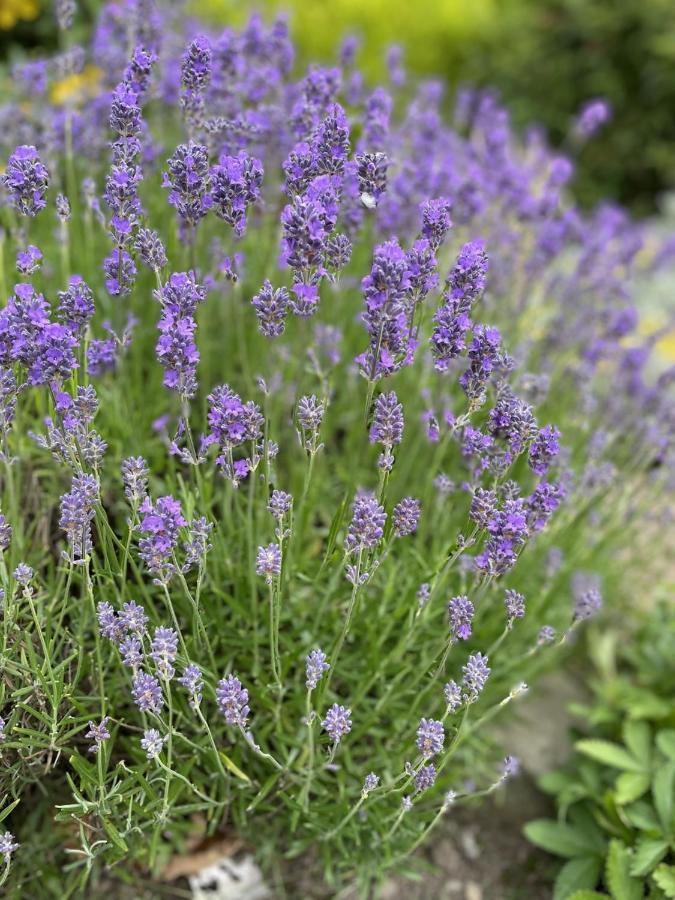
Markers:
{"x": 337, "y": 722}
{"x": 233, "y": 701}
{"x": 315, "y": 666}
{"x": 430, "y": 737}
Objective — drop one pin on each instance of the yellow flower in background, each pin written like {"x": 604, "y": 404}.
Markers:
{"x": 75, "y": 88}
{"x": 13, "y": 11}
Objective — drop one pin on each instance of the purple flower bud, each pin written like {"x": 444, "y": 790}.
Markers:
{"x": 460, "y": 616}
{"x": 163, "y": 649}
{"x": 453, "y": 696}
{"x": 315, "y": 666}
{"x": 425, "y": 778}
{"x": 192, "y": 681}
{"x": 337, "y": 722}
{"x": 147, "y": 693}
{"x": 268, "y": 562}
{"x": 271, "y": 308}
{"x": 367, "y": 525}
{"x": 515, "y": 606}
{"x": 406, "y": 516}
{"x": 430, "y": 737}
{"x": 152, "y": 742}
{"x": 98, "y": 734}
{"x": 387, "y": 427}
{"x": 233, "y": 701}
{"x": 27, "y": 180}
{"x": 476, "y": 673}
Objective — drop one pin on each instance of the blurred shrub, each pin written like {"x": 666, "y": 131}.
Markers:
{"x": 548, "y": 58}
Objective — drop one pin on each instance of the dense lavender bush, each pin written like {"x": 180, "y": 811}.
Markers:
{"x": 323, "y": 423}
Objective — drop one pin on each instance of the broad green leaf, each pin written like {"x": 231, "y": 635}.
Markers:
{"x": 630, "y": 786}
{"x": 662, "y": 791}
{"x": 637, "y": 737}
{"x": 648, "y": 853}
{"x": 557, "y": 838}
{"x": 641, "y": 815}
{"x": 610, "y": 754}
{"x": 554, "y": 782}
{"x": 621, "y": 884}
{"x": 665, "y": 741}
{"x": 664, "y": 876}
{"x": 578, "y": 873}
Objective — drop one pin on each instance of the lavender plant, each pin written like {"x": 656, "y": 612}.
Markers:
{"x": 289, "y": 363}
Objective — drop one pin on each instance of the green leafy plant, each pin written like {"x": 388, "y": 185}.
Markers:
{"x": 616, "y": 798}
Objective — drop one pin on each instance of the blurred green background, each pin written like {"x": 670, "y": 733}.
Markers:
{"x": 544, "y": 57}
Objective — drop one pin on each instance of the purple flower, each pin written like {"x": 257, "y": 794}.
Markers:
{"x": 510, "y": 767}
{"x": 460, "y": 617}
{"x": 120, "y": 272}
{"x": 587, "y": 598}
{"x": 159, "y": 525}
{"x": 592, "y": 116}
{"x": 508, "y": 530}
{"x": 76, "y": 305}
{"x": 476, "y": 673}
{"x": 150, "y": 248}
{"x": 27, "y": 180}
{"x": 425, "y": 778}
{"x": 280, "y": 504}
{"x": 453, "y": 696}
{"x": 125, "y": 114}
{"x": 231, "y": 423}
{"x": 370, "y": 783}
{"x": 546, "y": 635}
{"x": 387, "y": 427}
{"x": 268, "y": 562}
{"x": 98, "y": 734}
{"x": 436, "y": 222}
{"x": 147, "y": 693}
{"x": 5, "y": 533}
{"x": 484, "y": 355}
{"x": 176, "y": 348}
{"x": 7, "y": 846}
{"x": 192, "y": 681}
{"x": 406, "y": 516}
{"x": 430, "y": 737}
{"x": 135, "y": 477}
{"x": 271, "y": 308}
{"x": 544, "y": 449}
{"x": 188, "y": 178}
{"x": 77, "y": 513}
{"x": 233, "y": 701}
{"x": 315, "y": 666}
{"x": 163, "y": 649}
{"x": 467, "y": 280}
{"x": 235, "y": 185}
{"x": 152, "y": 742}
{"x": 384, "y": 291}
{"x": 131, "y": 651}
{"x": 337, "y": 722}
{"x": 513, "y": 420}
{"x": 367, "y": 526}
{"x": 133, "y": 617}
{"x": 196, "y": 62}
{"x": 514, "y": 604}
{"x": 371, "y": 170}
{"x": 108, "y": 623}
{"x": 29, "y": 261}
{"x": 542, "y": 503}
